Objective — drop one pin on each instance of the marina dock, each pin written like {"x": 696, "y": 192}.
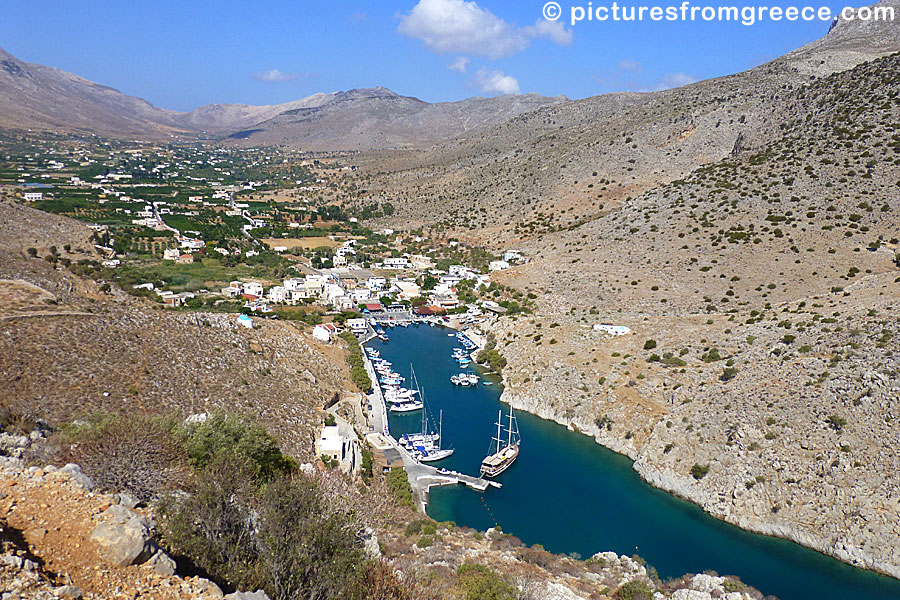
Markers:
{"x": 421, "y": 476}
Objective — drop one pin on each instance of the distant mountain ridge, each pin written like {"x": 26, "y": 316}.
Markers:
{"x": 34, "y": 96}
{"x": 379, "y": 118}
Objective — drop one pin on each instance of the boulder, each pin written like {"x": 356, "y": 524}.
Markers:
{"x": 691, "y": 595}
{"x": 370, "y": 543}
{"x": 706, "y": 583}
{"x": 70, "y": 592}
{"x": 127, "y": 500}
{"x": 74, "y": 472}
{"x": 257, "y": 595}
{"x": 161, "y": 563}
{"x": 124, "y": 537}
{"x": 206, "y": 588}
{"x": 13, "y": 445}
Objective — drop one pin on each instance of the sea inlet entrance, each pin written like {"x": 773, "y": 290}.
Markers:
{"x": 571, "y": 495}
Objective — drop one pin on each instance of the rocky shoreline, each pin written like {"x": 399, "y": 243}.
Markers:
{"x": 641, "y": 448}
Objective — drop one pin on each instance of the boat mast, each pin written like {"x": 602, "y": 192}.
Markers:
{"x": 441, "y": 429}
{"x": 424, "y": 411}
{"x": 499, "y": 425}
{"x": 509, "y": 431}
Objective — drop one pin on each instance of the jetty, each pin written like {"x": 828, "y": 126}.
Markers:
{"x": 421, "y": 476}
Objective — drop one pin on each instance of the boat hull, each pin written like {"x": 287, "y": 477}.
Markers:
{"x": 492, "y": 468}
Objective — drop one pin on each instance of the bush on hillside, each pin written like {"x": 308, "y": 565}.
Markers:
{"x": 478, "y": 582}
{"x": 398, "y": 486}
{"x": 635, "y": 590}
{"x": 135, "y": 454}
{"x": 223, "y": 434}
{"x": 278, "y": 536}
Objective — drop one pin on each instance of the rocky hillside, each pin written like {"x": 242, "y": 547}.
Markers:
{"x": 561, "y": 165}
{"x": 38, "y": 97}
{"x": 760, "y": 292}
{"x": 61, "y": 536}
{"x": 69, "y": 349}
{"x": 379, "y": 118}
{"x": 33, "y": 95}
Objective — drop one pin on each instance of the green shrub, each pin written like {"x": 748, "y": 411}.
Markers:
{"x": 836, "y": 422}
{"x": 635, "y": 590}
{"x": 134, "y": 454}
{"x": 368, "y": 461}
{"x": 281, "y": 537}
{"x": 477, "y": 582}
{"x": 492, "y": 358}
{"x": 415, "y": 527}
{"x": 355, "y": 359}
{"x": 699, "y": 471}
{"x": 223, "y": 434}
{"x": 398, "y": 485}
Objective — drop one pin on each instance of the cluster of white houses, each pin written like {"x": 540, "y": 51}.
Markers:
{"x": 348, "y": 293}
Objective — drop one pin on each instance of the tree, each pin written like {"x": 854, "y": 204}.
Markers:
{"x": 699, "y": 471}
{"x": 224, "y": 434}
{"x": 398, "y": 486}
{"x": 429, "y": 282}
{"x": 478, "y": 582}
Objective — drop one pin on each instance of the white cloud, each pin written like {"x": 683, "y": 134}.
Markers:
{"x": 463, "y": 26}
{"x": 555, "y": 31}
{"x": 672, "y": 80}
{"x": 627, "y": 76}
{"x": 274, "y": 76}
{"x": 460, "y": 65}
{"x": 631, "y": 65}
{"x": 496, "y": 82}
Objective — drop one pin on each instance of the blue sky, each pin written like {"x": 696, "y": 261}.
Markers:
{"x": 183, "y": 54}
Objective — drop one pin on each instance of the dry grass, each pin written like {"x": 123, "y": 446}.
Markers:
{"x": 306, "y": 243}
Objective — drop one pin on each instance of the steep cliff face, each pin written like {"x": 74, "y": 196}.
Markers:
{"x": 759, "y": 292}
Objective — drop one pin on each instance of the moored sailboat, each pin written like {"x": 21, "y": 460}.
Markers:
{"x": 507, "y": 450}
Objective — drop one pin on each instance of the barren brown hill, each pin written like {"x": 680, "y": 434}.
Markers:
{"x": 379, "y": 118}
{"x": 563, "y": 164}
{"x": 69, "y": 349}
{"x": 37, "y": 97}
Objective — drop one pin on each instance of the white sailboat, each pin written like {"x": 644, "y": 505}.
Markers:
{"x": 507, "y": 450}
{"x": 434, "y": 453}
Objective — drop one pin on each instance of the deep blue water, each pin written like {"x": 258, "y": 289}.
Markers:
{"x": 570, "y": 494}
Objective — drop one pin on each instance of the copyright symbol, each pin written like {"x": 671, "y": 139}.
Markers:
{"x": 552, "y": 11}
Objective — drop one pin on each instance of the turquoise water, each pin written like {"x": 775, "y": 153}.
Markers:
{"x": 570, "y": 494}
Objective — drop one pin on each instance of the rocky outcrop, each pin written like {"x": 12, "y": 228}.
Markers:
{"x": 95, "y": 547}
{"x": 124, "y": 537}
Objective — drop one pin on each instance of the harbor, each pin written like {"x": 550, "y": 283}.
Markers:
{"x": 589, "y": 498}
{"x": 413, "y": 449}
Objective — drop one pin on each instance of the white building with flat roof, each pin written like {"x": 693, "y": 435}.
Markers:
{"x": 400, "y": 262}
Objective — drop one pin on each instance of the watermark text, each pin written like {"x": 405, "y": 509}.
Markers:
{"x": 686, "y": 11}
